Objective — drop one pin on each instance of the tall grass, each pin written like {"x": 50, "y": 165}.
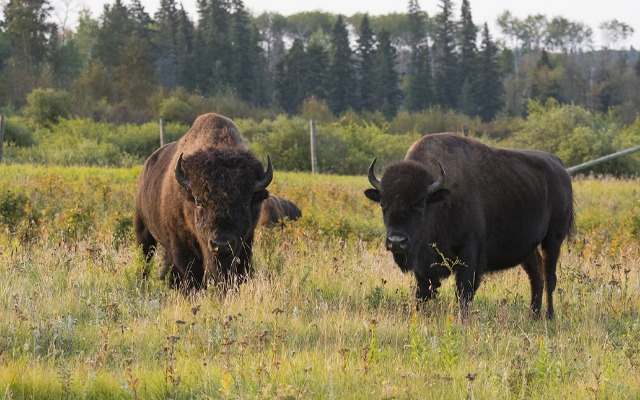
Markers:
{"x": 327, "y": 315}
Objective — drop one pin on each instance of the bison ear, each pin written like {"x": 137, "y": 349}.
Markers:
{"x": 440, "y": 195}
{"x": 259, "y": 196}
{"x": 373, "y": 194}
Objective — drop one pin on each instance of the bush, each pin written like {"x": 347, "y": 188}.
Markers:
{"x": 17, "y": 133}
{"x": 46, "y": 106}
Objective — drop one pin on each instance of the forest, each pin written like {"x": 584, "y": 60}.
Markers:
{"x": 373, "y": 83}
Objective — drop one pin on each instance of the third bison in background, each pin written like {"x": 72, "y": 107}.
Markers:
{"x": 277, "y": 211}
{"x": 489, "y": 208}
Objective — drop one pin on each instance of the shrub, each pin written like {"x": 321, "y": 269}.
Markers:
{"x": 46, "y": 106}
{"x": 17, "y": 133}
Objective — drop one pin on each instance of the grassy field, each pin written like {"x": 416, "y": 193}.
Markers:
{"x": 328, "y": 315}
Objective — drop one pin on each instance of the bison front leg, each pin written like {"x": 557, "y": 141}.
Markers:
{"x": 468, "y": 276}
{"x": 427, "y": 289}
{"x": 146, "y": 240}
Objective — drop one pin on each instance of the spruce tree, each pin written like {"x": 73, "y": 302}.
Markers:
{"x": 490, "y": 90}
{"x": 290, "y": 78}
{"x": 365, "y": 53}
{"x": 419, "y": 82}
{"x": 447, "y": 82}
{"x": 341, "y": 70}
{"x": 317, "y": 65}
{"x": 242, "y": 73}
{"x": 387, "y": 93}
{"x": 468, "y": 50}
{"x": 166, "y": 44}
{"x": 185, "y": 38}
{"x": 28, "y": 30}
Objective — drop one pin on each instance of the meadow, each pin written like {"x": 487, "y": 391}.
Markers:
{"x": 327, "y": 315}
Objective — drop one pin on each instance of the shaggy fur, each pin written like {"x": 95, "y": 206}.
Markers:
{"x": 498, "y": 208}
{"x": 219, "y": 205}
{"x": 277, "y": 211}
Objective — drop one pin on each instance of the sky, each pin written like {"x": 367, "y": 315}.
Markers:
{"x": 589, "y": 12}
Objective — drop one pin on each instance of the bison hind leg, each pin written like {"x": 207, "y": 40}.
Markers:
{"x": 532, "y": 266}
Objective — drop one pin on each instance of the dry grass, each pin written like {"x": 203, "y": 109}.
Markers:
{"x": 327, "y": 315}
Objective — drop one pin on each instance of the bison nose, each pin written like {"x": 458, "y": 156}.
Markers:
{"x": 397, "y": 242}
{"x": 222, "y": 247}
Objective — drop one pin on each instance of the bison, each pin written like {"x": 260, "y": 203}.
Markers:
{"x": 200, "y": 198}
{"x": 277, "y": 211}
{"x": 492, "y": 209}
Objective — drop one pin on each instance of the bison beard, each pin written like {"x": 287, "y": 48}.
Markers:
{"x": 492, "y": 209}
{"x": 200, "y": 198}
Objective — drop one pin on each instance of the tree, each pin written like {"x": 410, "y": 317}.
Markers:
{"x": 468, "y": 70}
{"x": 185, "y": 37}
{"x": 419, "y": 83}
{"x": 243, "y": 75}
{"x": 490, "y": 89}
{"x": 28, "y": 30}
{"x": 365, "y": 53}
{"x": 290, "y": 79}
{"x": 166, "y": 44}
{"x": 387, "y": 94}
{"x": 213, "y": 46}
{"x": 317, "y": 66}
{"x": 512, "y": 27}
{"x": 115, "y": 30}
{"x": 533, "y": 31}
{"x": 447, "y": 82}
{"x": 614, "y": 33}
{"x": 341, "y": 70}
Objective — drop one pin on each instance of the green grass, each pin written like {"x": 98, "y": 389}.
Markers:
{"x": 328, "y": 314}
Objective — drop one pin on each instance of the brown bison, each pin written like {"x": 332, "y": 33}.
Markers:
{"x": 200, "y": 198}
{"x": 277, "y": 211}
{"x": 493, "y": 209}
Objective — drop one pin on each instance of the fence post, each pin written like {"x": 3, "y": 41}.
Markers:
{"x": 162, "y": 125}
{"x": 314, "y": 157}
{"x": 1, "y": 136}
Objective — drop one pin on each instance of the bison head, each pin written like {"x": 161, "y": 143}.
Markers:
{"x": 406, "y": 193}
{"x": 224, "y": 191}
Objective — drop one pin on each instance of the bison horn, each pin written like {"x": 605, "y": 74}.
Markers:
{"x": 266, "y": 179}
{"x": 180, "y": 177}
{"x": 437, "y": 185}
{"x": 372, "y": 176}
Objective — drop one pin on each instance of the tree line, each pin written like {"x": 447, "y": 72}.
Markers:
{"x": 130, "y": 66}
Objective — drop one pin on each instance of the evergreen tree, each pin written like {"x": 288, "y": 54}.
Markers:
{"x": 341, "y": 70}
{"x": 28, "y": 31}
{"x": 213, "y": 46}
{"x": 490, "y": 89}
{"x": 115, "y": 30}
{"x": 419, "y": 82}
{"x": 262, "y": 90}
{"x": 387, "y": 93}
{"x": 141, "y": 19}
{"x": 290, "y": 78}
{"x": 166, "y": 43}
{"x": 185, "y": 36}
{"x": 242, "y": 71}
{"x": 468, "y": 33}
{"x": 447, "y": 82}
{"x": 365, "y": 52}
{"x": 317, "y": 66}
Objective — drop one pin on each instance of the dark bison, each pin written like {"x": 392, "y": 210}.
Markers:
{"x": 277, "y": 211}
{"x": 493, "y": 209}
{"x": 200, "y": 198}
